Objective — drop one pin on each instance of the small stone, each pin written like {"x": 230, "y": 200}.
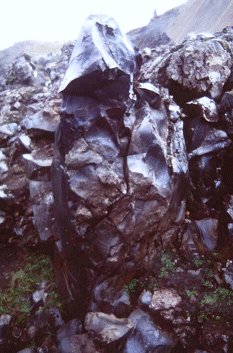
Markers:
{"x": 165, "y": 299}
{"x": 146, "y": 337}
{"x": 8, "y": 129}
{"x": 39, "y": 295}
{"x": 228, "y": 274}
{"x": 5, "y": 319}
{"x": 145, "y": 298}
{"x": 56, "y": 316}
{"x": 106, "y": 328}
{"x": 65, "y": 334}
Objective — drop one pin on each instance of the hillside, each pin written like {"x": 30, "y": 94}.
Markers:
{"x": 195, "y": 16}
{"x": 30, "y": 47}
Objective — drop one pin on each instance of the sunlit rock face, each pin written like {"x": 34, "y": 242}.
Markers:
{"x": 119, "y": 168}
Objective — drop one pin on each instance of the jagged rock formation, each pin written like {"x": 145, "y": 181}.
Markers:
{"x": 194, "y": 17}
{"x": 193, "y": 71}
{"x": 27, "y": 127}
{"x": 121, "y": 139}
{"x": 138, "y": 205}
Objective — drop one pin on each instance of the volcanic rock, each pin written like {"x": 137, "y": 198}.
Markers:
{"x": 125, "y": 141}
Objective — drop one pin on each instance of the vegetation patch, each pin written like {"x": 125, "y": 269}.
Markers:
{"x": 17, "y": 299}
{"x": 220, "y": 295}
{"x": 131, "y": 287}
{"x": 167, "y": 264}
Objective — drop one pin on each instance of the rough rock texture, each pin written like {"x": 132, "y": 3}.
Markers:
{"x": 119, "y": 167}
{"x": 27, "y": 127}
{"x": 164, "y": 299}
{"x": 142, "y": 224}
{"x": 146, "y": 337}
{"x": 194, "y": 70}
{"x": 106, "y": 328}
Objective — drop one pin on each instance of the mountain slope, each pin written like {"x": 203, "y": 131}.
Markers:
{"x": 30, "y": 47}
{"x": 194, "y": 16}
{"x": 201, "y": 16}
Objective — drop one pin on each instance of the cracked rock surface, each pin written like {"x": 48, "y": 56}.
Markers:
{"x": 118, "y": 167}
{"x": 126, "y": 180}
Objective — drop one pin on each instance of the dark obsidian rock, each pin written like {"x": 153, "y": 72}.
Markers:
{"x": 119, "y": 161}
{"x": 146, "y": 336}
{"x": 202, "y": 138}
{"x": 102, "y": 59}
{"x": 199, "y": 237}
{"x": 226, "y": 112}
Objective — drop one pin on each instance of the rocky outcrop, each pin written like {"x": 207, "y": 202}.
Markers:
{"x": 118, "y": 137}
{"x": 127, "y": 181}
{"x": 202, "y": 67}
{"x": 27, "y": 127}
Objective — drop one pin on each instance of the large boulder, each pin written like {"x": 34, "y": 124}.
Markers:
{"x": 198, "y": 67}
{"x": 119, "y": 168}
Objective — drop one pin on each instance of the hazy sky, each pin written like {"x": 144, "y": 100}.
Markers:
{"x": 62, "y": 19}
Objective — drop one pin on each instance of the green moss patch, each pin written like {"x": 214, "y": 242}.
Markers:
{"x": 16, "y": 300}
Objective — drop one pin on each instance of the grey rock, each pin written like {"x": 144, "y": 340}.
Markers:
{"x": 5, "y": 319}
{"x": 196, "y": 68}
{"x": 82, "y": 344}
{"x": 3, "y": 166}
{"x": 150, "y": 93}
{"x": 8, "y": 130}
{"x": 5, "y": 194}
{"x": 57, "y": 317}
{"x": 130, "y": 151}
{"x": 146, "y": 336}
{"x": 22, "y": 71}
{"x": 208, "y": 230}
{"x": 201, "y": 66}
{"x": 40, "y": 123}
{"x": 164, "y": 299}
{"x": 203, "y": 107}
{"x": 230, "y": 229}
{"x": 229, "y": 208}
{"x": 226, "y": 114}
{"x": 226, "y": 103}
{"x": 66, "y": 333}
{"x": 147, "y": 37}
{"x": 97, "y": 60}
{"x": 42, "y": 198}
{"x": 104, "y": 298}
{"x": 202, "y": 138}
{"x": 27, "y": 125}
{"x": 207, "y": 183}
{"x": 37, "y": 167}
{"x": 199, "y": 236}
{"x": 25, "y": 141}
{"x": 189, "y": 240}
{"x": 145, "y": 298}
{"x": 228, "y": 273}
{"x": 2, "y": 217}
{"x": 106, "y": 328}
